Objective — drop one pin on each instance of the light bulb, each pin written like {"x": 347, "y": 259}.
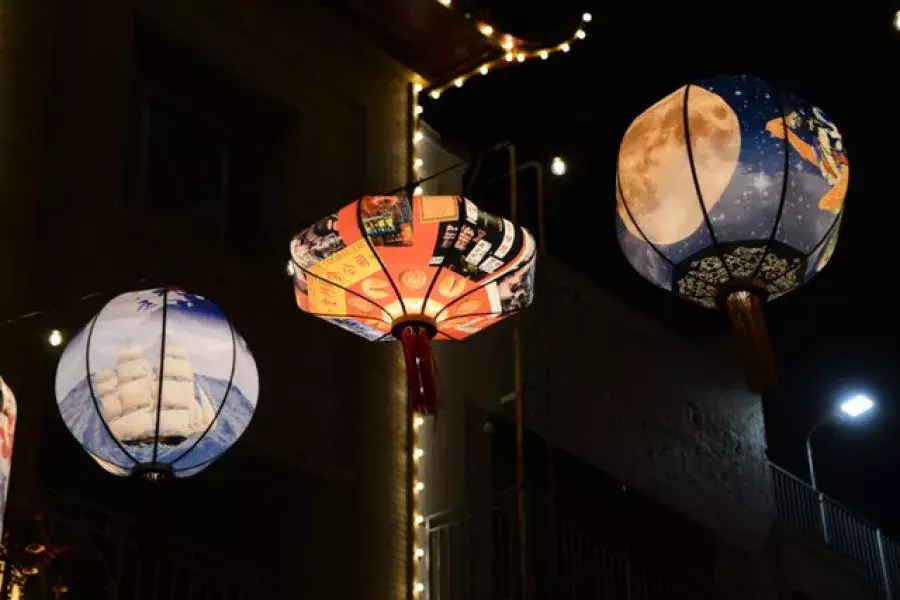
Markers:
{"x": 418, "y": 453}
{"x": 418, "y": 487}
{"x": 419, "y": 552}
{"x": 897, "y": 20}
{"x": 580, "y": 34}
{"x": 435, "y": 94}
{"x": 418, "y": 163}
{"x": 520, "y": 57}
{"x": 419, "y": 110}
{"x": 418, "y": 88}
{"x": 419, "y": 587}
{"x": 459, "y": 81}
{"x": 56, "y": 338}
{"x": 587, "y": 17}
{"x": 544, "y": 54}
{"x": 418, "y": 421}
{"x": 290, "y": 268}
{"x": 564, "y": 47}
{"x": 486, "y": 29}
{"x": 446, "y": 2}
{"x": 507, "y": 43}
{"x": 419, "y": 519}
{"x": 418, "y": 137}
{"x": 508, "y": 57}
{"x": 484, "y": 69}
{"x": 418, "y": 191}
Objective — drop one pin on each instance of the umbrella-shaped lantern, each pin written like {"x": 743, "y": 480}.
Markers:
{"x": 730, "y": 192}
{"x": 157, "y": 384}
{"x": 430, "y": 267}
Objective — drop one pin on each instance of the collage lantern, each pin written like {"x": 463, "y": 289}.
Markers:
{"x": 158, "y": 384}
{"x": 413, "y": 270}
{"x": 730, "y": 192}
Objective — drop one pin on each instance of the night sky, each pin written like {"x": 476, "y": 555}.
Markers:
{"x": 835, "y": 335}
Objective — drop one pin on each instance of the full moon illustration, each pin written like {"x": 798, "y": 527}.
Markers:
{"x": 654, "y": 170}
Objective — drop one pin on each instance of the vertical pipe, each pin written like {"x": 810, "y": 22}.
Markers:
{"x": 820, "y": 498}
{"x": 882, "y": 560}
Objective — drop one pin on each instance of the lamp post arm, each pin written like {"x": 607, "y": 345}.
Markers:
{"x": 809, "y": 453}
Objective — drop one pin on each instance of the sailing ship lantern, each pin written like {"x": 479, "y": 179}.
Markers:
{"x": 730, "y": 192}
{"x": 413, "y": 270}
{"x": 158, "y": 384}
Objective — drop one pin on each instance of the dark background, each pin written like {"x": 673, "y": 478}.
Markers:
{"x": 833, "y": 336}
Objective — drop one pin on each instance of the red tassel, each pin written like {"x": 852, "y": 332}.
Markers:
{"x": 420, "y": 379}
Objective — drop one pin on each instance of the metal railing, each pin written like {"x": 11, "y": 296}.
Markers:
{"x": 829, "y": 522}
{"x": 474, "y": 556}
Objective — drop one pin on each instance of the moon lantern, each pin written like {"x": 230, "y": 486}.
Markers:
{"x": 730, "y": 192}
{"x": 413, "y": 269}
{"x": 158, "y": 384}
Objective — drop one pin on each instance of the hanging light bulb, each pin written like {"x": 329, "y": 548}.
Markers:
{"x": 446, "y": 2}
{"x": 418, "y": 487}
{"x": 587, "y": 17}
{"x": 418, "y": 137}
{"x": 418, "y": 88}
{"x": 459, "y": 81}
{"x": 419, "y": 110}
{"x": 418, "y": 421}
{"x": 419, "y": 587}
{"x": 897, "y": 20}
{"x": 435, "y": 94}
{"x": 486, "y": 29}
{"x": 508, "y": 43}
{"x": 419, "y": 553}
{"x": 418, "y": 163}
{"x": 418, "y": 191}
{"x": 558, "y": 166}
{"x": 484, "y": 69}
{"x": 564, "y": 47}
{"x": 419, "y": 519}
{"x": 544, "y": 54}
{"x": 580, "y": 34}
{"x": 509, "y": 57}
{"x": 520, "y": 57}
{"x": 418, "y": 453}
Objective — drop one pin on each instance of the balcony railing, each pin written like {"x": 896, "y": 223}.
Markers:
{"x": 829, "y": 522}
{"x": 475, "y": 556}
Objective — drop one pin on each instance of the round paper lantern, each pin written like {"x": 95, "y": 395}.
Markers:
{"x": 8, "y": 413}
{"x": 157, "y": 384}
{"x": 391, "y": 267}
{"x": 730, "y": 192}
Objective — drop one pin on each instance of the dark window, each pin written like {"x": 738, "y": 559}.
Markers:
{"x": 202, "y": 146}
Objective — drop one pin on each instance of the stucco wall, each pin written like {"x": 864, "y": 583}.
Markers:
{"x": 656, "y": 411}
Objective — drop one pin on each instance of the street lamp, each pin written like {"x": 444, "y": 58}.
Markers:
{"x": 852, "y": 408}
{"x": 897, "y": 20}
{"x": 558, "y": 166}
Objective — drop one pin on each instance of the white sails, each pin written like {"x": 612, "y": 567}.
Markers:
{"x": 129, "y": 398}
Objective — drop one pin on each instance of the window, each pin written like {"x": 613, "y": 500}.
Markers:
{"x": 202, "y": 146}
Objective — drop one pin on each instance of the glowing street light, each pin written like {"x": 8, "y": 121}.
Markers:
{"x": 897, "y": 20}
{"x": 56, "y": 338}
{"x": 851, "y": 409}
{"x": 558, "y": 166}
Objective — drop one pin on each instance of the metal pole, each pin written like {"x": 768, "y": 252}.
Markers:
{"x": 412, "y": 125}
{"x": 882, "y": 559}
{"x": 820, "y": 498}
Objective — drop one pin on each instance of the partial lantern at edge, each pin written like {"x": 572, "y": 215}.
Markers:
{"x": 413, "y": 269}
{"x": 730, "y": 191}
{"x": 8, "y": 414}
{"x": 157, "y": 384}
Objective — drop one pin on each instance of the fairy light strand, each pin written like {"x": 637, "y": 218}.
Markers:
{"x": 418, "y": 521}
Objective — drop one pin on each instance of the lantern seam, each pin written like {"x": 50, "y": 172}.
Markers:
{"x": 784, "y": 188}
{"x": 460, "y": 207}
{"x": 690, "y": 151}
{"x": 390, "y": 279}
{"x": 87, "y": 364}
{"x": 160, "y": 375}
{"x": 218, "y": 410}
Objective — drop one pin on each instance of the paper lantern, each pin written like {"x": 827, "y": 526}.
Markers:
{"x": 730, "y": 192}
{"x": 395, "y": 268}
{"x": 8, "y": 413}
{"x": 157, "y": 384}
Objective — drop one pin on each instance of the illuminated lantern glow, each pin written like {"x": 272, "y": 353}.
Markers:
{"x": 413, "y": 270}
{"x": 730, "y": 192}
{"x": 158, "y": 384}
{"x": 8, "y": 414}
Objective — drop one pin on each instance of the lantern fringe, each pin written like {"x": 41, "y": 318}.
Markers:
{"x": 420, "y": 370}
{"x": 745, "y": 310}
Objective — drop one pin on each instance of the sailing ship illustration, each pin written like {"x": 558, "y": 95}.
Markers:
{"x": 129, "y": 397}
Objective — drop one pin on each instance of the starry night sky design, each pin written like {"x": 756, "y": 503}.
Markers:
{"x": 748, "y": 208}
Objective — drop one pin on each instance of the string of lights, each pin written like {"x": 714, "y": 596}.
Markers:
{"x": 418, "y": 532}
{"x": 514, "y": 51}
